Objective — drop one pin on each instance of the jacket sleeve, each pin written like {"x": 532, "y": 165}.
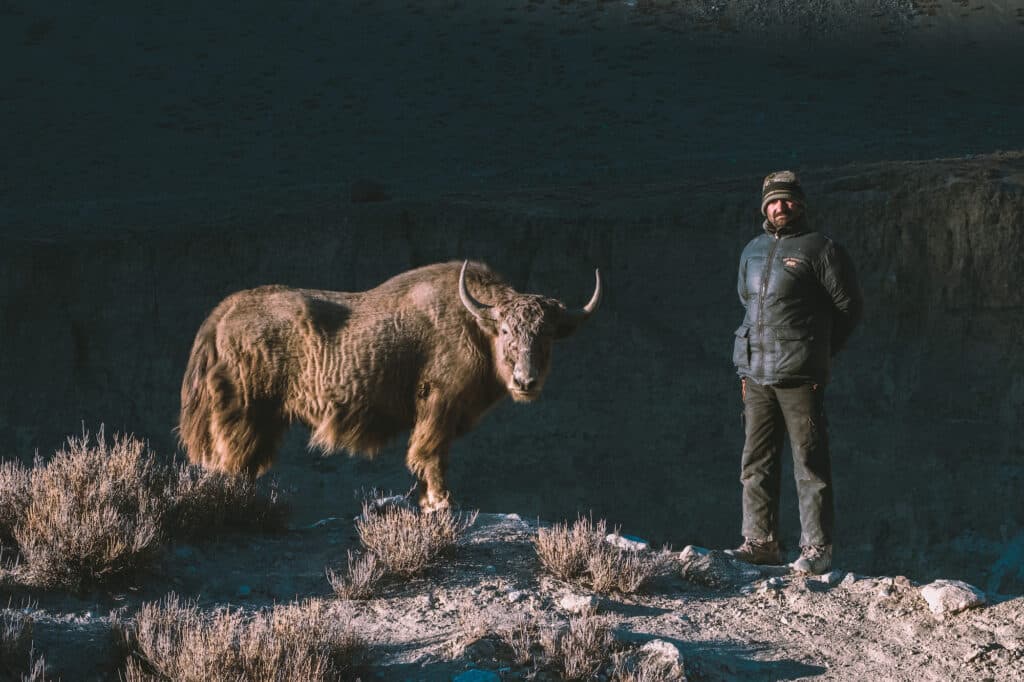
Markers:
{"x": 741, "y": 279}
{"x": 839, "y": 279}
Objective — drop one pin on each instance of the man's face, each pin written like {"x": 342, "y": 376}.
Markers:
{"x": 782, "y": 212}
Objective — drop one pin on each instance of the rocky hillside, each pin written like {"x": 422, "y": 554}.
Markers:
{"x": 642, "y": 404}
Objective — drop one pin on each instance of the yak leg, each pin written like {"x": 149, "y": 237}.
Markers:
{"x": 427, "y": 457}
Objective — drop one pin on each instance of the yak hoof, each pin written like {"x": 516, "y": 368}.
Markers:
{"x": 435, "y": 503}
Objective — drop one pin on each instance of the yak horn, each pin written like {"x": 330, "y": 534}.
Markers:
{"x": 575, "y": 317}
{"x": 479, "y": 310}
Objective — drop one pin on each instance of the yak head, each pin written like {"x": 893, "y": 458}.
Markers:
{"x": 522, "y": 327}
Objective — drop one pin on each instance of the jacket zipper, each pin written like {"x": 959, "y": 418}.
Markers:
{"x": 764, "y": 284}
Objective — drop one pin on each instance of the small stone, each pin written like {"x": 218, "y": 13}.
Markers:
{"x": 627, "y": 542}
{"x": 578, "y": 603}
{"x": 691, "y": 552}
{"x": 951, "y": 596}
{"x": 477, "y": 675}
{"x": 515, "y": 596}
{"x": 513, "y": 517}
{"x": 667, "y": 656}
{"x": 831, "y": 578}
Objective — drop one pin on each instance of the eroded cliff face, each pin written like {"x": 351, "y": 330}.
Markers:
{"x": 640, "y": 419}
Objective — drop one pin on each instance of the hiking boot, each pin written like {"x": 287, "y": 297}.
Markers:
{"x": 814, "y": 559}
{"x": 756, "y": 551}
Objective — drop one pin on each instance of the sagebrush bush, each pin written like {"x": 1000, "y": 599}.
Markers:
{"x": 14, "y": 497}
{"x": 100, "y": 509}
{"x": 172, "y": 640}
{"x": 362, "y": 578}
{"x": 579, "y": 554}
{"x": 203, "y": 502}
{"x": 406, "y": 541}
{"x": 584, "y": 647}
{"x": 565, "y": 551}
{"x": 93, "y": 512}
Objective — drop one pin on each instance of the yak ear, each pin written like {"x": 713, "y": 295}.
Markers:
{"x": 489, "y": 325}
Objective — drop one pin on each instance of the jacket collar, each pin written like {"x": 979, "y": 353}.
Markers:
{"x": 791, "y": 230}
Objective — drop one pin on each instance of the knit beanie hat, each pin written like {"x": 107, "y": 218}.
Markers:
{"x": 781, "y": 185}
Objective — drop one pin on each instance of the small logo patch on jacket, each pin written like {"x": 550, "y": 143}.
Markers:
{"x": 791, "y": 262}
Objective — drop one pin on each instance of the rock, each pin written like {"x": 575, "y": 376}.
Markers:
{"x": 578, "y": 603}
{"x": 627, "y": 542}
{"x": 480, "y": 650}
{"x": 515, "y": 596}
{"x": 657, "y": 659}
{"x": 692, "y": 552}
{"x": 713, "y": 568}
{"x": 662, "y": 649}
{"x": 951, "y": 596}
{"x": 365, "y": 190}
{"x": 772, "y": 585}
{"x": 476, "y": 675}
{"x": 379, "y": 505}
{"x": 831, "y": 578}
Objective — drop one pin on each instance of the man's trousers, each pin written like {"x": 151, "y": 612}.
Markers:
{"x": 769, "y": 413}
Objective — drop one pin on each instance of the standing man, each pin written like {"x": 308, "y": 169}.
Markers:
{"x": 802, "y": 301}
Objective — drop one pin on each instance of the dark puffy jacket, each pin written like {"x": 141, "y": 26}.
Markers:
{"x": 802, "y": 301}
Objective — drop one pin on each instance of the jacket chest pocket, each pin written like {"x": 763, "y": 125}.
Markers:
{"x": 791, "y": 274}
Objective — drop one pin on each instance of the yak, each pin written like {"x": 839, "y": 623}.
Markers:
{"x": 419, "y": 352}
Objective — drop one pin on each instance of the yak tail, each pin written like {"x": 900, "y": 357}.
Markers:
{"x": 220, "y": 427}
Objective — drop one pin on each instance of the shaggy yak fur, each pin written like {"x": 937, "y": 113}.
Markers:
{"x": 418, "y": 352}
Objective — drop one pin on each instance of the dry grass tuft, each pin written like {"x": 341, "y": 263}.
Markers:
{"x": 584, "y": 647}
{"x": 565, "y": 552}
{"x": 405, "y": 541}
{"x": 171, "y": 640}
{"x": 521, "y": 634}
{"x": 580, "y": 554}
{"x": 18, "y": 660}
{"x": 100, "y": 509}
{"x": 362, "y": 579}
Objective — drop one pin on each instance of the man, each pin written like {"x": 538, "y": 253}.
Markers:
{"x": 802, "y": 302}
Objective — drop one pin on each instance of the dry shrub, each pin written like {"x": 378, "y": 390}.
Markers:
{"x": 565, "y": 552}
{"x": 171, "y": 640}
{"x": 405, "y": 541}
{"x": 521, "y": 634}
{"x": 14, "y": 497}
{"x": 583, "y": 648}
{"x": 204, "y": 502}
{"x": 615, "y": 570}
{"x": 580, "y": 554}
{"x": 101, "y": 509}
{"x": 361, "y": 580}
{"x": 93, "y": 512}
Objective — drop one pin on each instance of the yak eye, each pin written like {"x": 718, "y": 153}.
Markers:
{"x": 504, "y": 329}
